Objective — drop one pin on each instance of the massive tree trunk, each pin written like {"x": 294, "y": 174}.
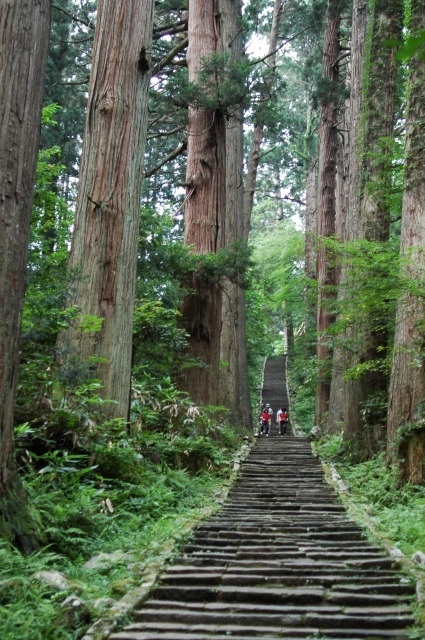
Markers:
{"x": 310, "y": 230}
{"x": 204, "y": 211}
{"x": 24, "y": 33}
{"x": 214, "y": 314}
{"x": 326, "y": 205}
{"x": 371, "y": 160}
{"x": 104, "y": 246}
{"x": 351, "y": 212}
{"x": 370, "y": 121}
{"x": 407, "y": 384}
{"x": 344, "y": 217}
{"x": 233, "y": 387}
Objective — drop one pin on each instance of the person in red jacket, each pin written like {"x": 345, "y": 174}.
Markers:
{"x": 282, "y": 420}
{"x": 266, "y": 420}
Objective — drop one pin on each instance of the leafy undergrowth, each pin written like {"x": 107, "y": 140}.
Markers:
{"x": 133, "y": 496}
{"x": 385, "y": 508}
{"x": 397, "y": 511}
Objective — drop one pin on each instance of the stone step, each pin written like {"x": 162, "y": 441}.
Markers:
{"x": 275, "y": 595}
{"x": 334, "y": 581}
{"x": 272, "y": 568}
{"x": 283, "y": 551}
{"x": 270, "y": 610}
{"x": 333, "y": 618}
{"x": 287, "y": 633}
{"x": 280, "y": 559}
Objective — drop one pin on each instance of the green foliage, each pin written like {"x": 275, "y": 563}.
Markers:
{"x": 398, "y": 512}
{"x": 103, "y": 487}
{"x": 82, "y": 520}
{"x": 158, "y": 341}
{"x": 328, "y": 91}
{"x": 372, "y": 285}
{"x": 413, "y": 46}
{"x": 302, "y": 386}
{"x": 277, "y": 293}
{"x": 279, "y": 252}
{"x": 90, "y": 324}
{"x": 330, "y": 447}
{"x": 231, "y": 263}
{"x": 221, "y": 84}
{"x": 66, "y": 84}
{"x": 44, "y": 314}
{"x": 28, "y": 608}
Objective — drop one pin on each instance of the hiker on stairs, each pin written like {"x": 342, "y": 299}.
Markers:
{"x": 266, "y": 419}
{"x": 282, "y": 420}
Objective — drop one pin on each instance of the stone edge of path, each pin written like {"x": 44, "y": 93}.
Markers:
{"x": 359, "y": 515}
{"x": 102, "y": 628}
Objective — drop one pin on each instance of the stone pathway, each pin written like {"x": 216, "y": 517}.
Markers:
{"x": 281, "y": 559}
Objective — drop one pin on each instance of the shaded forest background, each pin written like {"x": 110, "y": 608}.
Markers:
{"x": 255, "y": 186}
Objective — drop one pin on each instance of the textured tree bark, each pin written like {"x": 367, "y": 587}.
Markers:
{"x": 204, "y": 211}
{"x": 407, "y": 383}
{"x": 214, "y": 314}
{"x": 310, "y": 230}
{"x": 350, "y": 212}
{"x": 105, "y": 240}
{"x": 24, "y": 34}
{"x": 326, "y": 206}
{"x": 342, "y": 210}
{"x": 412, "y": 456}
{"x": 234, "y": 387}
{"x": 372, "y": 109}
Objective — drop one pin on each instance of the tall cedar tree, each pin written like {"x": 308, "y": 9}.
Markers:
{"x": 104, "y": 246}
{"x": 233, "y": 387}
{"x": 407, "y": 384}
{"x": 204, "y": 210}
{"x": 214, "y": 312}
{"x": 325, "y": 223}
{"x": 372, "y": 126}
{"x": 24, "y": 37}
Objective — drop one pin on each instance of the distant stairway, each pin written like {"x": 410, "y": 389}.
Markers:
{"x": 280, "y": 560}
{"x": 274, "y": 385}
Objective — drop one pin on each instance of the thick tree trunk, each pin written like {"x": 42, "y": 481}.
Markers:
{"x": 104, "y": 246}
{"x": 326, "y": 206}
{"x": 215, "y": 313}
{"x": 310, "y": 220}
{"x": 310, "y": 231}
{"x": 204, "y": 211}
{"x": 234, "y": 387}
{"x": 371, "y": 125}
{"x": 407, "y": 384}
{"x": 24, "y": 34}
{"x": 342, "y": 217}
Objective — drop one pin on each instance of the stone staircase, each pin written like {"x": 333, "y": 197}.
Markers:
{"x": 281, "y": 559}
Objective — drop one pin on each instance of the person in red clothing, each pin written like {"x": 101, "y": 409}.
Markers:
{"x": 282, "y": 420}
{"x": 266, "y": 419}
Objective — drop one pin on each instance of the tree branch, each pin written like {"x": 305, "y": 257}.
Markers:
{"x": 170, "y": 55}
{"x": 87, "y": 23}
{"x": 286, "y": 198}
{"x": 170, "y": 29}
{"x": 176, "y": 152}
{"x": 163, "y": 134}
